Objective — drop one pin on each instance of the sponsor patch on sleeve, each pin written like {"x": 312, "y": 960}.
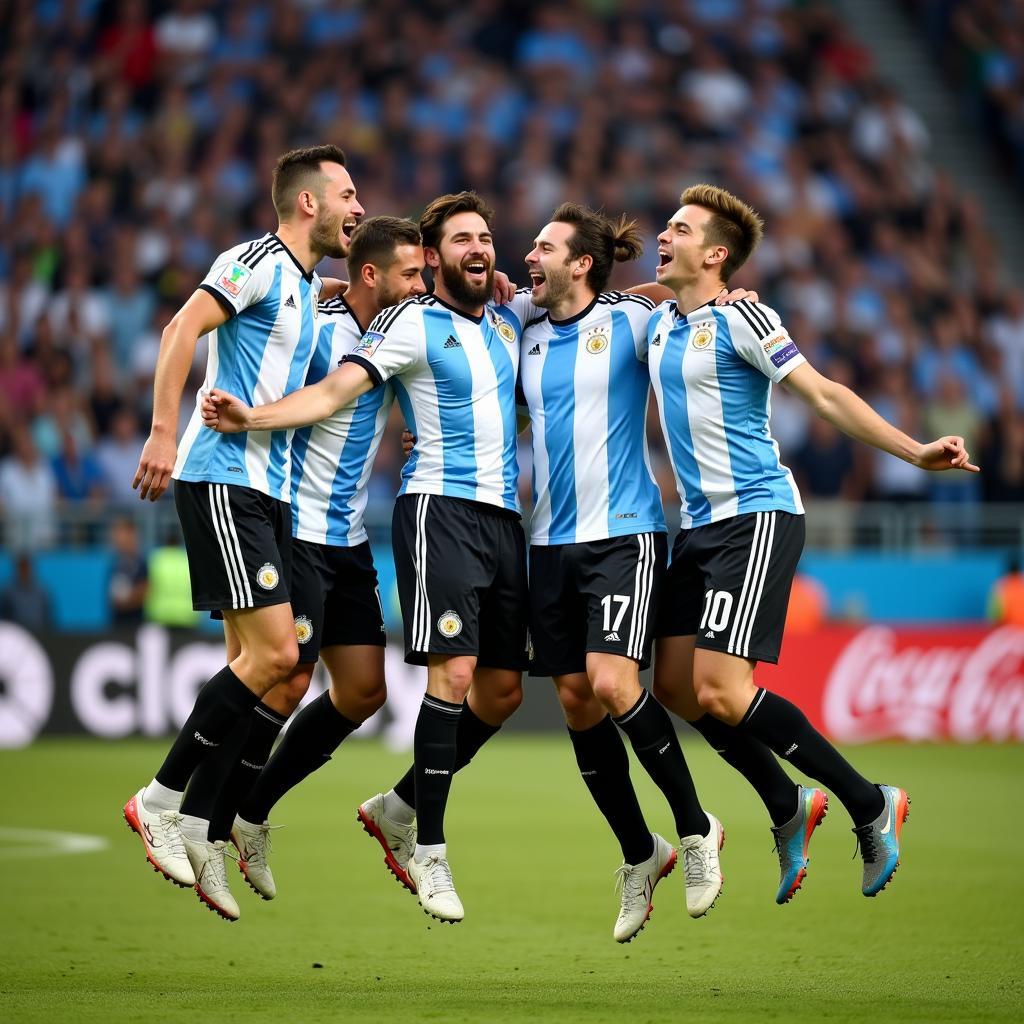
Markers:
{"x": 368, "y": 343}
{"x": 233, "y": 278}
{"x": 780, "y": 349}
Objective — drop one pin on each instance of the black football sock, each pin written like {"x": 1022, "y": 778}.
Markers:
{"x": 315, "y": 734}
{"x": 755, "y": 762}
{"x": 246, "y": 772}
{"x": 434, "y": 763}
{"x": 604, "y": 766}
{"x": 656, "y": 745}
{"x": 220, "y": 704}
{"x": 784, "y": 728}
{"x": 472, "y": 734}
{"x": 213, "y": 772}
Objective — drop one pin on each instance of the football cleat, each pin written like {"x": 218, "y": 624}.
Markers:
{"x": 162, "y": 839}
{"x": 435, "y": 889}
{"x": 397, "y": 841}
{"x": 793, "y": 838}
{"x": 253, "y": 845}
{"x": 637, "y": 882}
{"x": 211, "y": 876}
{"x": 879, "y": 840}
{"x": 703, "y": 873}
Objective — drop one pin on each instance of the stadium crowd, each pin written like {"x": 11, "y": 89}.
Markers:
{"x": 136, "y": 140}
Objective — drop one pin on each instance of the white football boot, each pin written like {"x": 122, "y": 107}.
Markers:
{"x": 253, "y": 845}
{"x": 397, "y": 841}
{"x": 702, "y": 869}
{"x": 207, "y": 861}
{"x": 637, "y": 882}
{"x": 435, "y": 889}
{"x": 162, "y": 839}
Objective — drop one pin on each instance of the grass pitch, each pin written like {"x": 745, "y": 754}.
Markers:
{"x": 97, "y": 936}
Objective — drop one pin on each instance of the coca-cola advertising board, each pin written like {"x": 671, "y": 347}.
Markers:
{"x": 859, "y": 684}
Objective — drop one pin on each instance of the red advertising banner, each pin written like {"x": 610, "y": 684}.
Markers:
{"x": 858, "y": 684}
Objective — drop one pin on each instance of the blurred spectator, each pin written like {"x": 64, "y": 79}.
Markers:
{"x": 949, "y": 412}
{"x": 118, "y": 457}
{"x": 28, "y": 495}
{"x": 808, "y": 605}
{"x": 78, "y": 474}
{"x": 129, "y": 577}
{"x": 23, "y": 600}
{"x": 169, "y": 594}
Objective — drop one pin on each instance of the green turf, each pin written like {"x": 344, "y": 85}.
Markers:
{"x": 99, "y": 937}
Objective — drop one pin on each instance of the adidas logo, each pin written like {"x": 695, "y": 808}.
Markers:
{"x": 657, "y": 340}
{"x": 452, "y": 342}
{"x": 612, "y": 638}
{"x": 535, "y": 351}
{"x": 710, "y": 634}
{"x": 289, "y": 303}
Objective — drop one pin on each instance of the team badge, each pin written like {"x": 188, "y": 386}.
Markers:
{"x": 303, "y": 629}
{"x": 233, "y": 278}
{"x": 597, "y": 341}
{"x": 449, "y": 624}
{"x": 505, "y": 330}
{"x": 268, "y": 577}
{"x": 702, "y": 336}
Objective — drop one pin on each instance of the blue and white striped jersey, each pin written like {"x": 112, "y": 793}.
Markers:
{"x": 332, "y": 460}
{"x": 712, "y": 372}
{"x": 586, "y": 384}
{"x": 455, "y": 380}
{"x": 260, "y": 354}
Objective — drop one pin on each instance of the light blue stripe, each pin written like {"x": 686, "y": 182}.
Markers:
{"x": 405, "y": 404}
{"x": 558, "y": 395}
{"x": 630, "y": 488}
{"x": 680, "y": 439}
{"x": 505, "y": 372}
{"x": 354, "y": 453}
{"x": 453, "y": 381}
{"x": 296, "y": 372}
{"x": 319, "y": 367}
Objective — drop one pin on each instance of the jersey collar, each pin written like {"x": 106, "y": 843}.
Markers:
{"x": 575, "y": 319}
{"x": 352, "y": 313}
{"x": 302, "y": 270}
{"x": 459, "y": 312}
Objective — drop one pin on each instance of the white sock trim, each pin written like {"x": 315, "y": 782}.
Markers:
{"x": 196, "y": 829}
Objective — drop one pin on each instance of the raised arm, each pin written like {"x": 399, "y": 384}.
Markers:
{"x": 230, "y": 415}
{"x": 853, "y": 416}
{"x": 201, "y": 314}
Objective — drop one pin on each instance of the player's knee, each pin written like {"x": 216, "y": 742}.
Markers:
{"x": 715, "y": 700}
{"x": 457, "y": 679}
{"x": 369, "y": 701}
{"x": 663, "y": 694}
{"x": 609, "y": 688}
{"x": 509, "y": 700}
{"x": 281, "y": 659}
{"x": 288, "y": 695}
{"x": 581, "y": 708}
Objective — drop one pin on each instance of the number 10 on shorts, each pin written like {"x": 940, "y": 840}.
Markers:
{"x": 717, "y": 609}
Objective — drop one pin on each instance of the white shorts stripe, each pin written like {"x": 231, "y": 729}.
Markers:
{"x": 641, "y": 596}
{"x": 765, "y": 562}
{"x": 218, "y": 529}
{"x": 421, "y": 606}
{"x": 245, "y": 599}
{"x": 739, "y": 620}
{"x": 652, "y": 561}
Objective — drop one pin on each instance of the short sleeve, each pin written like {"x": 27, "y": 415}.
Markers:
{"x": 392, "y": 344}
{"x": 639, "y": 311}
{"x": 235, "y": 285}
{"x": 522, "y": 306}
{"x": 759, "y": 338}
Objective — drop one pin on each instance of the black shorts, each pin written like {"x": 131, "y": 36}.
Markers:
{"x": 728, "y": 583}
{"x": 596, "y": 596}
{"x": 335, "y": 597}
{"x": 461, "y": 569}
{"x": 238, "y": 542}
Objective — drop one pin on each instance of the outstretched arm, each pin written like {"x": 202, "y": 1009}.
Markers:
{"x": 230, "y": 415}
{"x": 853, "y": 416}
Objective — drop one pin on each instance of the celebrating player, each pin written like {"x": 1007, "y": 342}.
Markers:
{"x": 728, "y": 583}
{"x": 334, "y": 583}
{"x": 258, "y": 303}
{"x": 459, "y": 547}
